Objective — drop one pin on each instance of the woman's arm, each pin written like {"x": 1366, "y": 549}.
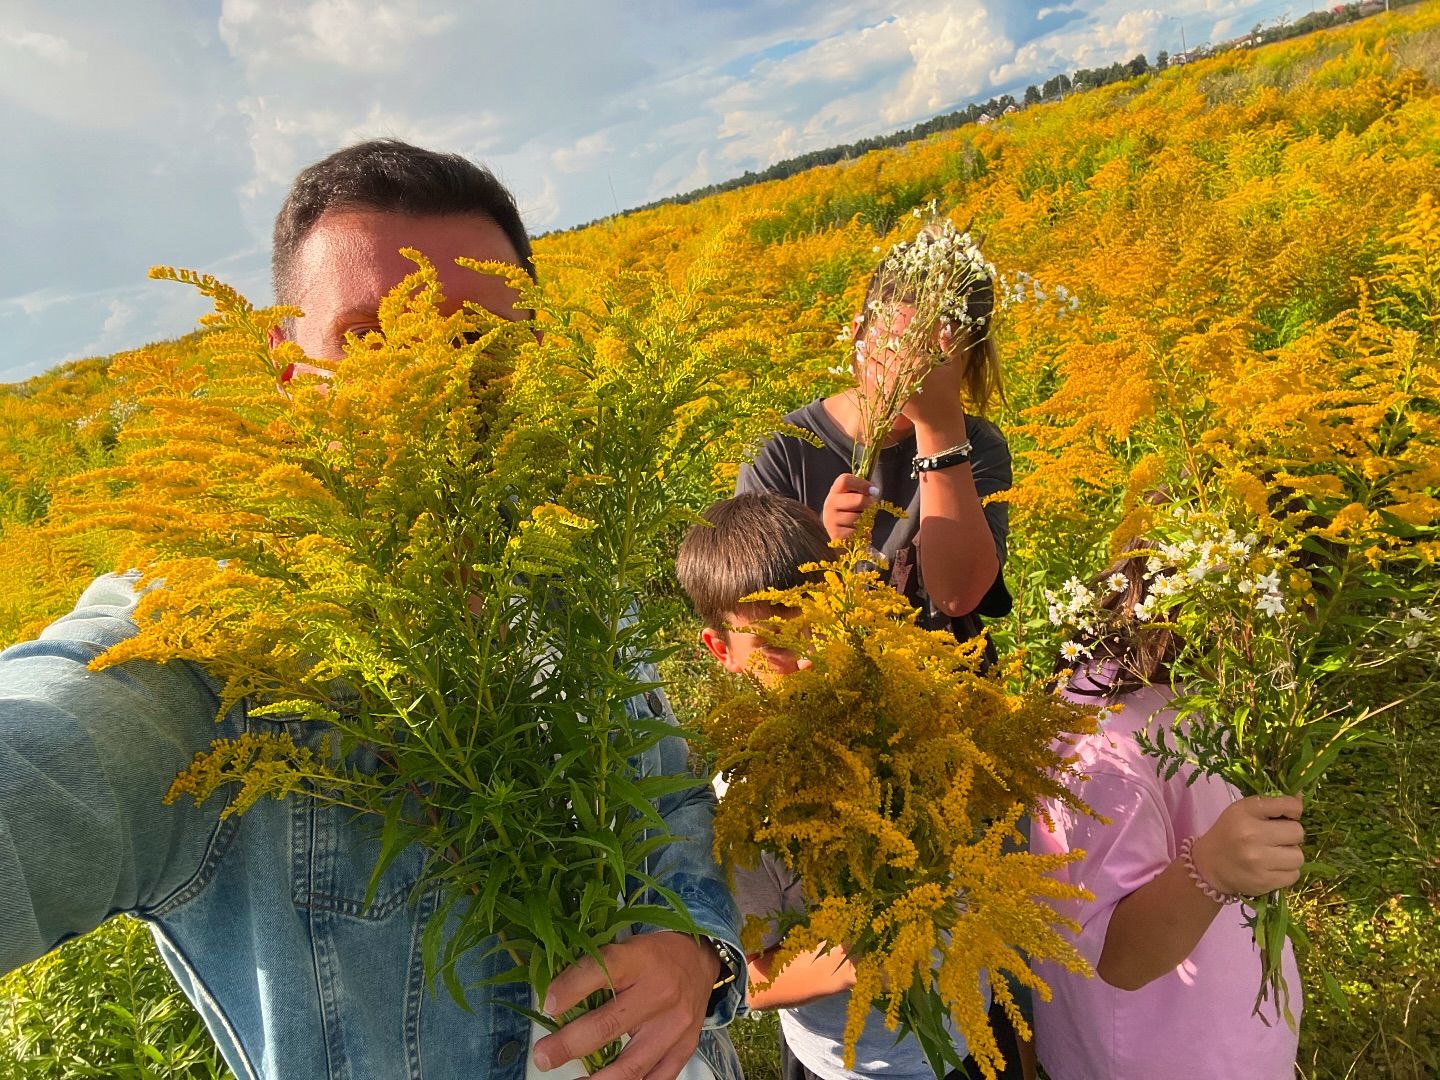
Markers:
{"x": 958, "y": 561}
{"x": 958, "y": 557}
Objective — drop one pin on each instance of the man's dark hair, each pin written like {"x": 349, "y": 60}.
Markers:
{"x": 752, "y": 542}
{"x": 396, "y": 178}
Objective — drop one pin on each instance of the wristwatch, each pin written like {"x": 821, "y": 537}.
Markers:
{"x": 956, "y": 455}
{"x": 731, "y": 964}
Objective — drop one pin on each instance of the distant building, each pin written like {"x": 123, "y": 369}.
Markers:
{"x": 1009, "y": 109}
{"x": 984, "y": 118}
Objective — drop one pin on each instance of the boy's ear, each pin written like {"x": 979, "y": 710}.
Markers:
{"x": 719, "y": 647}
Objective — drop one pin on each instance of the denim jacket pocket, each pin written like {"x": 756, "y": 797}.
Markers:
{"x": 333, "y": 858}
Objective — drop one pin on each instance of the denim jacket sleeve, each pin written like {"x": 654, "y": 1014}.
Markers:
{"x": 688, "y": 865}
{"x": 85, "y": 758}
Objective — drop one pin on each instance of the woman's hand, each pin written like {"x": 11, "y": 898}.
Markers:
{"x": 938, "y": 399}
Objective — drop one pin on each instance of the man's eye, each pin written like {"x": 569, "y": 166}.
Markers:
{"x": 368, "y": 335}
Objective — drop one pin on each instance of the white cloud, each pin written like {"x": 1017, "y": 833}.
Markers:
{"x": 362, "y": 35}
{"x": 284, "y": 139}
{"x": 583, "y": 154}
{"x": 953, "y": 51}
{"x": 49, "y": 47}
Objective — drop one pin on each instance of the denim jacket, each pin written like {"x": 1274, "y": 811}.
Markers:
{"x": 263, "y": 918}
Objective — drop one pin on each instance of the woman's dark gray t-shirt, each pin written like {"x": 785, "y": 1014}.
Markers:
{"x": 787, "y": 465}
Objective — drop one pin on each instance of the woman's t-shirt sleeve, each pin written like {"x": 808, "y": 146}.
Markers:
{"x": 991, "y": 467}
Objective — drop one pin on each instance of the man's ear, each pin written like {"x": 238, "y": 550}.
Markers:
{"x": 719, "y": 647}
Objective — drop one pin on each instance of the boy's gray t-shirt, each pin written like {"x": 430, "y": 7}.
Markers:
{"x": 814, "y": 1031}
{"x": 791, "y": 466}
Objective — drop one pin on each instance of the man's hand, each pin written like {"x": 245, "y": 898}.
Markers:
{"x": 1254, "y": 846}
{"x": 662, "y": 985}
{"x": 846, "y": 501}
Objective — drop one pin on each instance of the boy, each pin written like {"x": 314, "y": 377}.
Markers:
{"x": 759, "y": 541}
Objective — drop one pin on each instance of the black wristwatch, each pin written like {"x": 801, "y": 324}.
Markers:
{"x": 956, "y": 455}
{"x": 731, "y": 963}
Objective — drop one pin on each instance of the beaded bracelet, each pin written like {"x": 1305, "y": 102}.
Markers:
{"x": 1200, "y": 883}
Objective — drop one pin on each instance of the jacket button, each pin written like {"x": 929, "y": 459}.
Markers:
{"x": 508, "y": 1055}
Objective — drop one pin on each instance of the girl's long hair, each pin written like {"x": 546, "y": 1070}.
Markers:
{"x": 1131, "y": 654}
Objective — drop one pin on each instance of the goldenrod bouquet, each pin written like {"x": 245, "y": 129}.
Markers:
{"x": 888, "y": 775}
{"x": 435, "y": 548}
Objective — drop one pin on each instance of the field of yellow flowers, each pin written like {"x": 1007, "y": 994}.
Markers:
{"x": 1253, "y": 248}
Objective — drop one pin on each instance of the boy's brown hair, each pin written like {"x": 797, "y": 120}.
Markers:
{"x": 752, "y": 542}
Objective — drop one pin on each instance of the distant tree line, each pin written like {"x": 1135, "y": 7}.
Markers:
{"x": 1052, "y": 89}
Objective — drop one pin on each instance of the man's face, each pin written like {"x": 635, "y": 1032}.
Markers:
{"x": 351, "y": 259}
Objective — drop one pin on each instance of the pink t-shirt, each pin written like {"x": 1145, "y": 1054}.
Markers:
{"x": 1196, "y": 1022}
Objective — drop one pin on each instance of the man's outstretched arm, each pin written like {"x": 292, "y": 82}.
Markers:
{"x": 85, "y": 759}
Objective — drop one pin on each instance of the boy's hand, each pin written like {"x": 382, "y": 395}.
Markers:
{"x": 662, "y": 986}
{"x": 847, "y": 500}
{"x": 1254, "y": 846}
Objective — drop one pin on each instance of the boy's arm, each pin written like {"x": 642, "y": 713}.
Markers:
{"x": 809, "y": 977}
{"x": 85, "y": 759}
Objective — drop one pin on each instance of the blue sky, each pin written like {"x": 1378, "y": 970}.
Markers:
{"x": 138, "y": 132}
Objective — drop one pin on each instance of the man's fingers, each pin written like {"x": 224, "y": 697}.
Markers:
{"x": 642, "y": 1054}
{"x": 673, "y": 1063}
{"x": 584, "y": 1035}
{"x": 574, "y": 985}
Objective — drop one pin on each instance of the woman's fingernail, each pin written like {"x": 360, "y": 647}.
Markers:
{"x": 542, "y": 1061}
{"x": 874, "y": 491}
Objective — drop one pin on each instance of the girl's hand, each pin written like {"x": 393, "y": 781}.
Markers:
{"x": 939, "y": 398}
{"x": 846, "y": 501}
{"x": 1254, "y": 846}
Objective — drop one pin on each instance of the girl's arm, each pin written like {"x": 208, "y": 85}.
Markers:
{"x": 809, "y": 976}
{"x": 1253, "y": 848}
{"x": 958, "y": 559}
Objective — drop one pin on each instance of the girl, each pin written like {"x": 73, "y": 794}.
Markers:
{"x": 1177, "y": 969}
{"x": 947, "y": 553}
